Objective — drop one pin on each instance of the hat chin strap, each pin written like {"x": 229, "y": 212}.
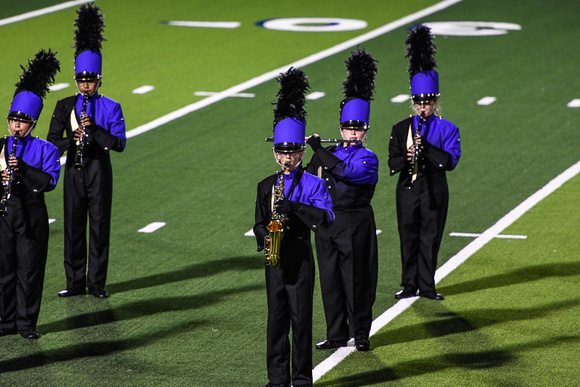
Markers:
{"x": 32, "y": 126}
{"x": 345, "y": 144}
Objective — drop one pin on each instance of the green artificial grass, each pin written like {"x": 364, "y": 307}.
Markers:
{"x": 188, "y": 302}
{"x": 510, "y": 316}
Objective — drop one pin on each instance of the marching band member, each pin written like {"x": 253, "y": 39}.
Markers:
{"x": 421, "y": 149}
{"x": 94, "y": 125}
{"x": 347, "y": 250}
{"x": 30, "y": 167}
{"x": 304, "y": 203}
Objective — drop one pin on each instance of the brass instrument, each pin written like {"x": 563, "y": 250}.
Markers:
{"x": 8, "y": 184}
{"x": 326, "y": 140}
{"x": 81, "y": 142}
{"x": 413, "y": 163}
{"x": 276, "y": 226}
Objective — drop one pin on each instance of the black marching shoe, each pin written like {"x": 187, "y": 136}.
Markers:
{"x": 276, "y": 385}
{"x": 100, "y": 293}
{"x": 432, "y": 295}
{"x": 29, "y": 334}
{"x": 72, "y": 292}
{"x": 405, "y": 293}
{"x": 362, "y": 344}
{"x": 331, "y": 344}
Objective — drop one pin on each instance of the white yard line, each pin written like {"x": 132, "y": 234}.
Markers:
{"x": 454, "y": 262}
{"x": 474, "y": 235}
{"x": 232, "y": 91}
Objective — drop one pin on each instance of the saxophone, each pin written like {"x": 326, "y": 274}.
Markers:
{"x": 8, "y": 184}
{"x": 275, "y": 227}
{"x": 81, "y": 143}
{"x": 413, "y": 163}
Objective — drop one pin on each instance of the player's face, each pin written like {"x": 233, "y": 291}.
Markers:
{"x": 88, "y": 86}
{"x": 425, "y": 107}
{"x": 353, "y": 133}
{"x": 293, "y": 159}
{"x": 19, "y": 128}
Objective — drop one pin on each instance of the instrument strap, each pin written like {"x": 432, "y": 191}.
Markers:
{"x": 295, "y": 182}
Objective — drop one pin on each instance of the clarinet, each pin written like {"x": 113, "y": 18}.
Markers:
{"x": 413, "y": 163}
{"x": 81, "y": 142}
{"x": 8, "y": 184}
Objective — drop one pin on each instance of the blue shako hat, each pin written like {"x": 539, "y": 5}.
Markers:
{"x": 33, "y": 86}
{"x": 88, "y": 38}
{"x": 421, "y": 53}
{"x": 289, "y": 114}
{"x": 358, "y": 89}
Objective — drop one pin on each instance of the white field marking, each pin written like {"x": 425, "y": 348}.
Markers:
{"x": 298, "y": 64}
{"x": 471, "y": 235}
{"x": 239, "y": 95}
{"x": 486, "y": 101}
{"x": 59, "y": 86}
{"x": 152, "y": 227}
{"x": 143, "y": 89}
{"x": 41, "y": 12}
{"x": 203, "y": 24}
{"x": 250, "y": 233}
{"x": 50, "y": 221}
{"x": 574, "y": 103}
{"x": 455, "y": 262}
{"x": 315, "y": 95}
{"x": 401, "y": 98}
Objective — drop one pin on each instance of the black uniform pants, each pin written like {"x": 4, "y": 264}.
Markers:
{"x": 348, "y": 262}
{"x": 87, "y": 192}
{"x": 421, "y": 215}
{"x": 290, "y": 287}
{"x": 23, "y": 252}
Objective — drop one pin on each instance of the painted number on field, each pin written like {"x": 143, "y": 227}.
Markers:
{"x": 312, "y": 24}
{"x": 471, "y": 28}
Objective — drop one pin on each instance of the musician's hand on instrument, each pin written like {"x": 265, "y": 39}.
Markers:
{"x": 285, "y": 206}
{"x": 78, "y": 133}
{"x": 86, "y": 121}
{"x": 410, "y": 152}
{"x": 5, "y": 176}
{"x": 12, "y": 161}
{"x": 19, "y": 165}
{"x": 314, "y": 142}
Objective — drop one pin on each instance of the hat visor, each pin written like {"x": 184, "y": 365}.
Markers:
{"x": 354, "y": 124}
{"x": 19, "y": 116}
{"x": 86, "y": 76}
{"x": 418, "y": 98}
{"x": 288, "y": 147}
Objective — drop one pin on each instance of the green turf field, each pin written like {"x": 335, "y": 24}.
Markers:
{"x": 188, "y": 302}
